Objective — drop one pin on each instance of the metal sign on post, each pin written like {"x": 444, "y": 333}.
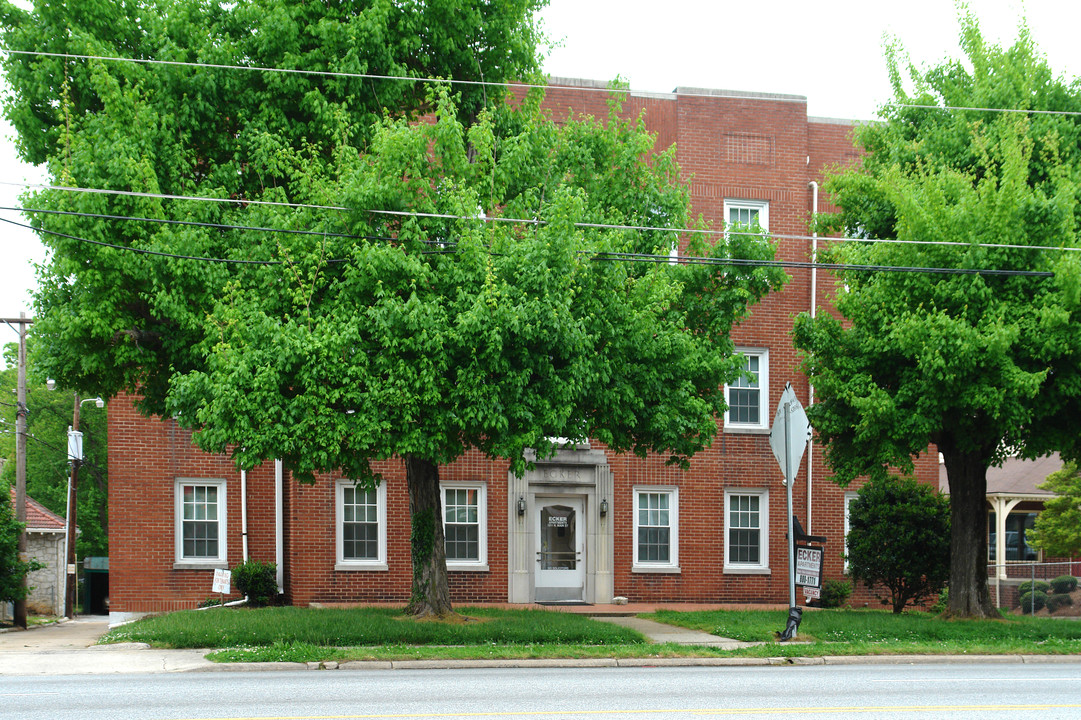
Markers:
{"x": 788, "y": 438}
{"x": 222, "y": 581}
{"x": 808, "y": 566}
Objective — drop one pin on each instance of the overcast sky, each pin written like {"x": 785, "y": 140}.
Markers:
{"x": 829, "y": 51}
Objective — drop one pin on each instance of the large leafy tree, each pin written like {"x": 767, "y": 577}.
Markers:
{"x": 977, "y": 365}
{"x": 49, "y": 416}
{"x": 429, "y": 286}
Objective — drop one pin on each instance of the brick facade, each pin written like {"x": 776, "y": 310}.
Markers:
{"x": 736, "y": 146}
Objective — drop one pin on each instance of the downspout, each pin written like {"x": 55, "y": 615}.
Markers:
{"x": 244, "y": 512}
{"x": 814, "y": 312}
{"x": 279, "y": 547}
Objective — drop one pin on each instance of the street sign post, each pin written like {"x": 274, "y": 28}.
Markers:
{"x": 788, "y": 439}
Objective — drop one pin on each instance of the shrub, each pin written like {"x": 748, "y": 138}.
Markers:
{"x": 835, "y": 593}
{"x": 257, "y": 580}
{"x": 1032, "y": 601}
{"x": 1054, "y": 602}
{"x": 1064, "y": 584}
{"x": 899, "y": 537}
{"x": 12, "y": 569}
{"x": 1027, "y": 587}
{"x": 942, "y": 602}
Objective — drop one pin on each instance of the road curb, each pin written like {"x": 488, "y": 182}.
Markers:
{"x": 653, "y": 662}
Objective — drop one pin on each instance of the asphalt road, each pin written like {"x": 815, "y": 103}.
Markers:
{"x": 955, "y": 691}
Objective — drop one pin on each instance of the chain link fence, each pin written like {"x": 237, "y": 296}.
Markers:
{"x": 1006, "y": 580}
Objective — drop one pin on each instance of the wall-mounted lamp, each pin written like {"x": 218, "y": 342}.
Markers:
{"x": 604, "y": 507}
{"x": 521, "y": 506}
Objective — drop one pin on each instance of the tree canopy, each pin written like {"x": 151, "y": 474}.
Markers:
{"x": 49, "y": 415}
{"x": 381, "y": 274}
{"x": 1058, "y": 525}
{"x": 981, "y": 356}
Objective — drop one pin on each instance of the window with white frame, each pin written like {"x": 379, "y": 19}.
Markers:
{"x": 656, "y": 529}
{"x": 746, "y": 212}
{"x": 746, "y": 533}
{"x": 465, "y": 525}
{"x": 850, "y": 497}
{"x": 361, "y": 526}
{"x": 748, "y": 397}
{"x": 200, "y": 522}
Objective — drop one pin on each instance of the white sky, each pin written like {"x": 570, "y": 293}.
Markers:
{"x": 829, "y": 51}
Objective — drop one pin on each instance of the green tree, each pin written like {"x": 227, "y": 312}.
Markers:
{"x": 1058, "y": 526}
{"x": 49, "y": 415}
{"x": 12, "y": 569}
{"x": 899, "y": 538}
{"x": 979, "y": 365}
{"x": 438, "y": 285}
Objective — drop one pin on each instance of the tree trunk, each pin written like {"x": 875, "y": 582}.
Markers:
{"x": 431, "y": 593}
{"x": 969, "y": 596}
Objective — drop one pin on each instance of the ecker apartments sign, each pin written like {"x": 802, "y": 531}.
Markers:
{"x": 808, "y": 566}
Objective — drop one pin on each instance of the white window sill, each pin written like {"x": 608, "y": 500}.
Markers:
{"x": 467, "y": 567}
{"x": 200, "y": 565}
{"x": 746, "y": 429}
{"x": 362, "y": 567}
{"x": 746, "y": 570}
{"x": 657, "y": 569}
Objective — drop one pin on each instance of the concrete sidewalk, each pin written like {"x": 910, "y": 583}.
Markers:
{"x": 69, "y": 648}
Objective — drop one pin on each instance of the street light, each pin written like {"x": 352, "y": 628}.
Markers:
{"x": 75, "y": 455}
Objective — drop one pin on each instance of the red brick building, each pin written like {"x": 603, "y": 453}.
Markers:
{"x": 585, "y": 525}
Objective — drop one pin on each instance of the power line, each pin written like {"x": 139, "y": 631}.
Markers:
{"x": 984, "y": 109}
{"x": 623, "y": 257}
{"x": 487, "y": 83}
{"x": 374, "y": 76}
{"x": 796, "y": 264}
{"x": 164, "y": 196}
{"x": 192, "y": 223}
{"x": 451, "y": 216}
{"x": 141, "y": 251}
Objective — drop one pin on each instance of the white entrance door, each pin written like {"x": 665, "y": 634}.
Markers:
{"x": 560, "y": 541}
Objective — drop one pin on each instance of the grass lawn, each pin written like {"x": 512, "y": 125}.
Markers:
{"x": 878, "y": 632}
{"x": 308, "y": 634}
{"x": 315, "y": 630}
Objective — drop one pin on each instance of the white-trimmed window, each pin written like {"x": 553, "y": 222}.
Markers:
{"x": 656, "y": 529}
{"x": 746, "y": 212}
{"x": 850, "y": 497}
{"x": 361, "y": 526}
{"x": 200, "y": 522}
{"x": 746, "y": 531}
{"x": 465, "y": 525}
{"x": 748, "y": 397}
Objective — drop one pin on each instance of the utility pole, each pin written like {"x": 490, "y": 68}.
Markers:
{"x": 75, "y": 454}
{"x": 20, "y": 458}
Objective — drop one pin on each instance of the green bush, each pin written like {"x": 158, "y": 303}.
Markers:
{"x": 1029, "y": 599}
{"x": 941, "y": 602}
{"x": 12, "y": 569}
{"x": 1064, "y": 584}
{"x": 257, "y": 580}
{"x": 835, "y": 593}
{"x": 913, "y": 522}
{"x": 1054, "y": 602}
{"x": 1026, "y": 587}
